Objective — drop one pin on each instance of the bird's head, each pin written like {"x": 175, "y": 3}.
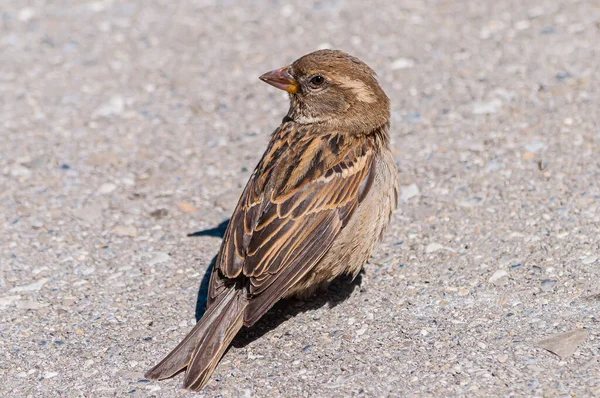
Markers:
{"x": 333, "y": 88}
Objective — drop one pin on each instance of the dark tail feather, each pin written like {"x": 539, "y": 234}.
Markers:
{"x": 220, "y": 319}
{"x": 209, "y": 353}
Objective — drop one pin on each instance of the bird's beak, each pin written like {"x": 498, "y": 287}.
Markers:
{"x": 282, "y": 79}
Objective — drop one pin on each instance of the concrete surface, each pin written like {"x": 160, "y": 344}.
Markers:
{"x": 126, "y": 125}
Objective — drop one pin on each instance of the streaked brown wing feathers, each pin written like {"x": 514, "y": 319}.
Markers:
{"x": 311, "y": 203}
{"x": 285, "y": 223}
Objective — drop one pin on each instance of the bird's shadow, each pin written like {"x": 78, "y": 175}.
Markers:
{"x": 338, "y": 291}
{"x": 217, "y": 232}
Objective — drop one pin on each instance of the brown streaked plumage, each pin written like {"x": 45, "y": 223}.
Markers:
{"x": 314, "y": 208}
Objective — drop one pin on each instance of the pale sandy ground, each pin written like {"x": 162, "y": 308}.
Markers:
{"x": 113, "y": 110}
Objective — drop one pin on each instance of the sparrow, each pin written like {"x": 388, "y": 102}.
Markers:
{"x": 314, "y": 208}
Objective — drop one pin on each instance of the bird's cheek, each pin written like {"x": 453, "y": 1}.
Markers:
{"x": 335, "y": 105}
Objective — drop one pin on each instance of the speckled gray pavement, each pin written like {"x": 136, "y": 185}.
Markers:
{"x": 126, "y": 125}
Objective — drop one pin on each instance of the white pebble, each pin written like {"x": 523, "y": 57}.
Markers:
{"x": 496, "y": 276}
{"x": 107, "y": 188}
{"x": 481, "y": 107}
{"x": 403, "y": 63}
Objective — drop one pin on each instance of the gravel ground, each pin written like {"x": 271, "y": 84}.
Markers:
{"x": 127, "y": 125}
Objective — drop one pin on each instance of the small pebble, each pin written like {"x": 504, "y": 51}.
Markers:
{"x": 20, "y": 171}
{"x": 403, "y": 63}
{"x": 159, "y": 213}
{"x": 186, "y": 207}
{"x": 498, "y": 276}
{"x": 32, "y": 287}
{"x": 535, "y": 147}
{"x": 89, "y": 214}
{"x": 7, "y": 301}
{"x": 481, "y": 108}
{"x": 158, "y": 257}
{"x": 408, "y": 192}
{"x": 106, "y": 188}
{"x": 111, "y": 108}
{"x": 548, "y": 284}
{"x": 26, "y": 14}
{"x": 69, "y": 301}
{"x": 527, "y": 155}
{"x": 433, "y": 247}
{"x": 471, "y": 202}
{"x": 589, "y": 260}
{"x": 29, "y": 305}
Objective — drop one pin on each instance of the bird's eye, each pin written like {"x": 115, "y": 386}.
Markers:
{"x": 317, "y": 80}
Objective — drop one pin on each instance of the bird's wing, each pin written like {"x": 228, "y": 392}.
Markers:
{"x": 298, "y": 199}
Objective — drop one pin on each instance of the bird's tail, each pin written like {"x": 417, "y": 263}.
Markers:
{"x": 201, "y": 350}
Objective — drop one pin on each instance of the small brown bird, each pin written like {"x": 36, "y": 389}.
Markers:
{"x": 314, "y": 208}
